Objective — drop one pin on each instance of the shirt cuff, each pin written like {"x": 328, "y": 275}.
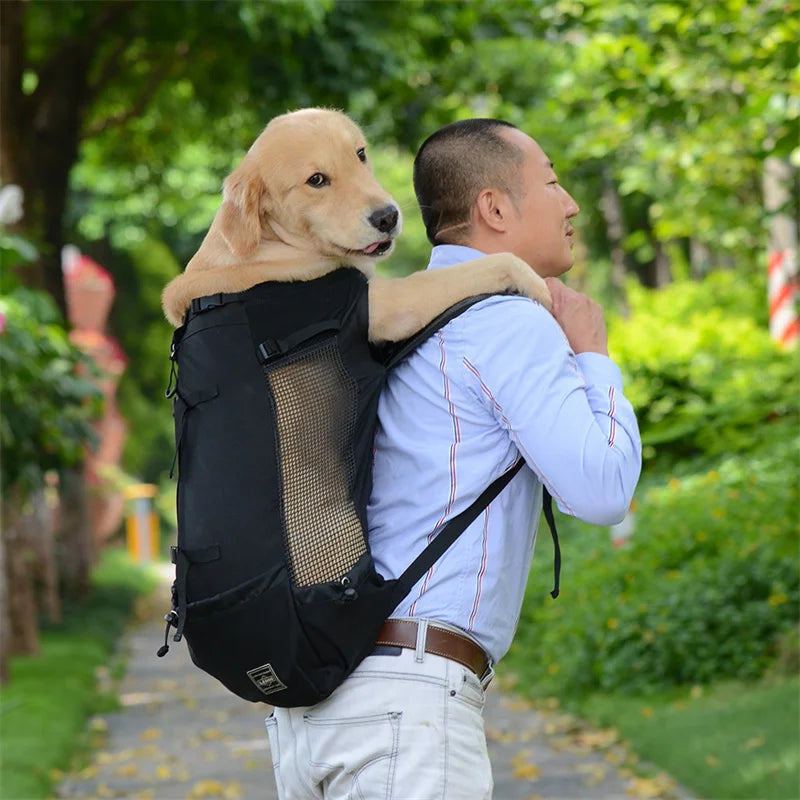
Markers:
{"x": 598, "y": 369}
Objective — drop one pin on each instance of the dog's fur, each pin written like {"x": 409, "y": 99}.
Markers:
{"x": 274, "y": 225}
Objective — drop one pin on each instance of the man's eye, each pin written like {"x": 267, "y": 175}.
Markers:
{"x": 362, "y": 155}
{"x": 317, "y": 180}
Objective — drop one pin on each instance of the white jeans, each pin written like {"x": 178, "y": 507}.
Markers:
{"x": 401, "y": 727}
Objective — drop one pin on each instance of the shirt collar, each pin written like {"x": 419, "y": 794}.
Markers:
{"x": 446, "y": 255}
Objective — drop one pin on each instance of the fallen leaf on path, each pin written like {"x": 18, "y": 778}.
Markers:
{"x": 596, "y": 773}
{"x": 522, "y": 769}
{"x": 645, "y": 788}
{"x": 207, "y": 789}
{"x": 495, "y": 735}
{"x": 515, "y": 704}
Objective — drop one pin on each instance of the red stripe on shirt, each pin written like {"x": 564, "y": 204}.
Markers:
{"x": 525, "y": 454}
{"x": 453, "y": 479}
{"x": 482, "y": 570}
{"x": 612, "y": 399}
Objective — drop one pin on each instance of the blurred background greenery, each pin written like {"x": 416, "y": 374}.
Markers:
{"x": 119, "y": 120}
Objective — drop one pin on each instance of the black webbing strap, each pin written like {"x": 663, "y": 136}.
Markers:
{"x": 182, "y": 559}
{"x": 448, "y": 535}
{"x": 392, "y": 353}
{"x": 547, "y": 507}
{"x": 274, "y": 348}
{"x": 425, "y": 560}
{"x": 201, "y": 304}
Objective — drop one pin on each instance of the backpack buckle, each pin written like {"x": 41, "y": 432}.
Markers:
{"x": 200, "y": 304}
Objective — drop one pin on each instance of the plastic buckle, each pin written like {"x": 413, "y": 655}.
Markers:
{"x": 211, "y": 301}
{"x": 173, "y": 554}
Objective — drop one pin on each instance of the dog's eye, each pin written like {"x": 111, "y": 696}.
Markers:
{"x": 317, "y": 180}
{"x": 362, "y": 155}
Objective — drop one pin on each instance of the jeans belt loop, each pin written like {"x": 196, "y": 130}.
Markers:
{"x": 422, "y": 636}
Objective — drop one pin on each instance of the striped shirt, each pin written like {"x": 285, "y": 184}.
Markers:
{"x": 496, "y": 382}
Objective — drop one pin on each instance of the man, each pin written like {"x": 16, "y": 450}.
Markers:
{"x": 504, "y": 379}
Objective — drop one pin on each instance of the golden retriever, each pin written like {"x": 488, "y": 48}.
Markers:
{"x": 303, "y": 202}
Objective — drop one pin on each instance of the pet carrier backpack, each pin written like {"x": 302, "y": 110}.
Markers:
{"x": 275, "y": 392}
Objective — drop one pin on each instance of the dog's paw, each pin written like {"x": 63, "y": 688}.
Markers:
{"x": 523, "y": 280}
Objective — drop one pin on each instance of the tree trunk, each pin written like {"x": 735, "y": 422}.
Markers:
{"x": 40, "y": 535}
{"x": 23, "y": 628}
{"x": 40, "y": 134}
{"x": 75, "y": 535}
{"x": 699, "y": 259}
{"x": 662, "y": 269}
{"x": 611, "y": 205}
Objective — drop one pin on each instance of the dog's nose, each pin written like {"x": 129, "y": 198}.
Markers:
{"x": 384, "y": 219}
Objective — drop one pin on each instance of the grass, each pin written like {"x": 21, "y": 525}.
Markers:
{"x": 729, "y": 741}
{"x": 44, "y": 707}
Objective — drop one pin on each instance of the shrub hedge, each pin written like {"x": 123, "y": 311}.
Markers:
{"x": 707, "y": 587}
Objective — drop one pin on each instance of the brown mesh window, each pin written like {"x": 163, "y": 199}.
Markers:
{"x": 315, "y": 412}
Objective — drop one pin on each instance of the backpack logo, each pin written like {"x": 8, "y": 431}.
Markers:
{"x": 265, "y": 679}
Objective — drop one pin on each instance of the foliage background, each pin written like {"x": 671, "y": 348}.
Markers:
{"x": 658, "y": 114}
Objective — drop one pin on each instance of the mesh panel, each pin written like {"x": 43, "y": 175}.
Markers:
{"x": 315, "y": 412}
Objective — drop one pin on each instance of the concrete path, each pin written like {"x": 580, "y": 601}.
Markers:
{"x": 181, "y": 735}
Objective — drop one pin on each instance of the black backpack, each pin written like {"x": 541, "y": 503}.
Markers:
{"x": 275, "y": 392}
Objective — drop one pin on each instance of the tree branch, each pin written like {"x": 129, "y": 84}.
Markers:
{"x": 109, "y": 70}
{"x": 153, "y": 82}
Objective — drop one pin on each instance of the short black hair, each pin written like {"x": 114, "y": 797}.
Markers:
{"x": 454, "y": 164}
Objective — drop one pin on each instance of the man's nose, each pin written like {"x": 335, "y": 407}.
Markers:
{"x": 571, "y": 207}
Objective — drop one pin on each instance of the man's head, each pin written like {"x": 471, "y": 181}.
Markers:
{"x": 486, "y": 184}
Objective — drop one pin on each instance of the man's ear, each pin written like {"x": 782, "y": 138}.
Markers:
{"x": 492, "y": 208}
{"x": 240, "y": 215}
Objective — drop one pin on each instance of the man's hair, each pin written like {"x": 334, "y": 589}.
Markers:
{"x": 454, "y": 165}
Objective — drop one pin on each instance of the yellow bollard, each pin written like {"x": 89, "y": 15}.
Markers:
{"x": 141, "y": 522}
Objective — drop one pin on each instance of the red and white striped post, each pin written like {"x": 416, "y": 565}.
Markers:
{"x": 782, "y": 288}
{"x": 782, "y": 282}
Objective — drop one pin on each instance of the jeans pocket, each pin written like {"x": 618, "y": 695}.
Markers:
{"x": 355, "y": 756}
{"x": 467, "y": 688}
{"x": 275, "y": 752}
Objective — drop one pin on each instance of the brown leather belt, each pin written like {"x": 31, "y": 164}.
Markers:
{"x": 439, "y": 641}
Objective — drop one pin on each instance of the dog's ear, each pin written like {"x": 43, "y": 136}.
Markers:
{"x": 240, "y": 215}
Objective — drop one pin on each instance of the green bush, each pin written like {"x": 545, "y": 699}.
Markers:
{"x": 706, "y": 589}
{"x": 47, "y": 405}
{"x": 700, "y": 368}
{"x": 708, "y": 586}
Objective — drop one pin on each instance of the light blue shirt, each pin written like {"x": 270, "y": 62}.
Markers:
{"x": 496, "y": 382}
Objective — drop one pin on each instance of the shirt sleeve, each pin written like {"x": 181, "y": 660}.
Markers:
{"x": 566, "y": 413}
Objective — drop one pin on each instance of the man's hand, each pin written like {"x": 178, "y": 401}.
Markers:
{"x": 580, "y": 318}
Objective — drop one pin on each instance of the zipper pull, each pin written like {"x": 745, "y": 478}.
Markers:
{"x": 171, "y": 619}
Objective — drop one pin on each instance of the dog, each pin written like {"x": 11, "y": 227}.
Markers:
{"x": 303, "y": 202}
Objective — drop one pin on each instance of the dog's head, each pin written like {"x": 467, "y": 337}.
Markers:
{"x": 307, "y": 181}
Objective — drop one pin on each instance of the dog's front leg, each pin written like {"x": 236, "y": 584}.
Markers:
{"x": 399, "y": 307}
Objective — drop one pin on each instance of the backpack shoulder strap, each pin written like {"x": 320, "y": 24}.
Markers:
{"x": 392, "y": 353}
{"x": 448, "y": 535}
{"x": 456, "y": 526}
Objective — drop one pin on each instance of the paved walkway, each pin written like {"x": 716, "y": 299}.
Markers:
{"x": 181, "y": 735}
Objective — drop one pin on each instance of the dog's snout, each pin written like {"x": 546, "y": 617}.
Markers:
{"x": 384, "y": 219}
